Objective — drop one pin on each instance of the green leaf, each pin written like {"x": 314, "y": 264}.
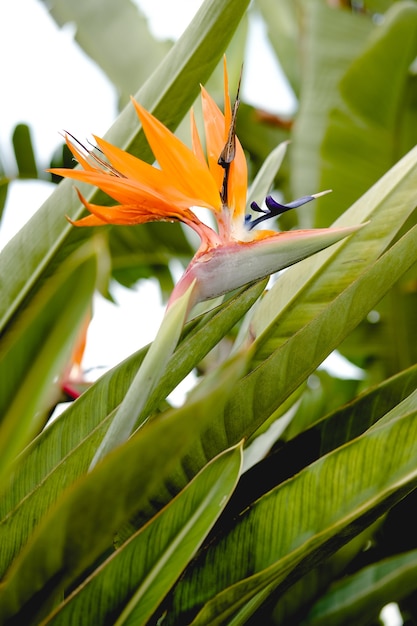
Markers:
{"x": 288, "y": 365}
{"x": 146, "y": 250}
{"x": 294, "y": 603}
{"x": 359, "y": 598}
{"x": 155, "y": 556}
{"x": 307, "y": 288}
{"x": 270, "y": 383}
{"x": 64, "y": 450}
{"x": 371, "y": 345}
{"x": 149, "y": 374}
{"x": 322, "y": 395}
{"x": 80, "y": 527}
{"x": 327, "y": 434}
{"x": 116, "y": 37}
{"x": 37, "y": 348}
{"x": 323, "y": 28}
{"x": 260, "y": 134}
{"x": 24, "y": 153}
{"x": 296, "y": 525}
{"x": 281, "y": 21}
{"x": 46, "y": 240}
{"x": 372, "y": 126}
{"x": 4, "y": 187}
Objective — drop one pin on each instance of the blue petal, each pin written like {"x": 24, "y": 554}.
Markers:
{"x": 274, "y": 209}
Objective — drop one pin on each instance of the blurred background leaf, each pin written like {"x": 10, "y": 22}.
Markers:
{"x": 116, "y": 36}
{"x": 24, "y": 152}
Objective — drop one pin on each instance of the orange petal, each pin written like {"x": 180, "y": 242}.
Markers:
{"x": 214, "y": 121}
{"x": 78, "y": 155}
{"x": 89, "y": 220}
{"x": 238, "y": 182}
{"x": 195, "y": 138}
{"x": 215, "y": 140}
{"x": 128, "y": 191}
{"x": 121, "y": 214}
{"x": 138, "y": 213}
{"x": 135, "y": 214}
{"x": 238, "y": 174}
{"x": 179, "y": 164}
{"x": 129, "y": 165}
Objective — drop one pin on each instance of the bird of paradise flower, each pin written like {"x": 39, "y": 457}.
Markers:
{"x": 228, "y": 257}
{"x": 232, "y": 255}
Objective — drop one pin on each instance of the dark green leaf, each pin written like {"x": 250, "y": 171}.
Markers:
{"x": 37, "y": 348}
{"x": 291, "y": 528}
{"x": 373, "y": 126}
{"x": 67, "y": 446}
{"x": 331, "y": 432}
{"x": 116, "y": 36}
{"x": 359, "y": 598}
{"x": 24, "y": 153}
{"x": 144, "y": 569}
{"x": 4, "y": 186}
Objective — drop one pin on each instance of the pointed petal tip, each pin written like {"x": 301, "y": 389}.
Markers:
{"x": 321, "y": 193}
{"x": 348, "y": 229}
{"x": 72, "y": 222}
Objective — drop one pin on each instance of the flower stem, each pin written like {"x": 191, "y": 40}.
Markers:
{"x": 147, "y": 377}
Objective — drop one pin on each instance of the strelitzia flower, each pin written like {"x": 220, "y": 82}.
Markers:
{"x": 233, "y": 253}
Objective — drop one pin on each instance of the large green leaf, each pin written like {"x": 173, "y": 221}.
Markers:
{"x": 293, "y": 604}
{"x": 142, "y": 572}
{"x": 37, "y": 348}
{"x": 47, "y": 238}
{"x": 359, "y": 598}
{"x": 329, "y": 433}
{"x": 81, "y": 526}
{"x": 275, "y": 378}
{"x": 294, "y": 526}
{"x": 307, "y": 288}
{"x": 116, "y": 37}
{"x": 323, "y": 28}
{"x": 283, "y": 33}
{"x": 265, "y": 388}
{"x": 261, "y": 392}
{"x": 372, "y": 126}
{"x": 381, "y": 344}
{"x": 64, "y": 450}
{"x": 256, "y": 398}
